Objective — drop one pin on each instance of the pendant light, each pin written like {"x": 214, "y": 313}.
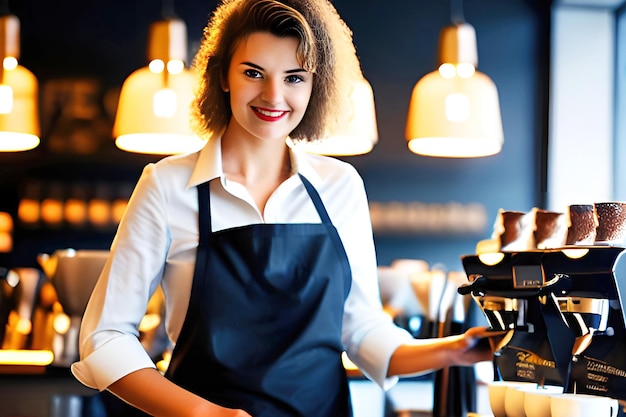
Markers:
{"x": 360, "y": 134}
{"x": 455, "y": 111}
{"x": 19, "y": 115}
{"x": 154, "y": 109}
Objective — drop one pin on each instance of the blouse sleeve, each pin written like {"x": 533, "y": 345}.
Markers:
{"x": 109, "y": 343}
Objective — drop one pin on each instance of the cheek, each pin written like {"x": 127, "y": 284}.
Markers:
{"x": 303, "y": 100}
{"x": 238, "y": 97}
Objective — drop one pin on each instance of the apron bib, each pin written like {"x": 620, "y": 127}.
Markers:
{"x": 263, "y": 328}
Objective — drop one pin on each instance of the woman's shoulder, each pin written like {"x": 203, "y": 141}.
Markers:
{"x": 171, "y": 171}
{"x": 173, "y": 164}
{"x": 178, "y": 161}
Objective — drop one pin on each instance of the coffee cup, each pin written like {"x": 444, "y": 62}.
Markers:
{"x": 515, "y": 397}
{"x": 583, "y": 405}
{"x": 550, "y": 229}
{"x": 611, "y": 222}
{"x": 514, "y": 229}
{"x": 537, "y": 401}
{"x": 582, "y": 222}
{"x": 498, "y": 393}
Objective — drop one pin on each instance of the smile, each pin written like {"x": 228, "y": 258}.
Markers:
{"x": 269, "y": 115}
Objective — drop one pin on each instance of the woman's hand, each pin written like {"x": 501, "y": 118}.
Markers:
{"x": 475, "y": 345}
{"x": 426, "y": 355}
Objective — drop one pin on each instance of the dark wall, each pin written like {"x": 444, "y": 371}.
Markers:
{"x": 397, "y": 43}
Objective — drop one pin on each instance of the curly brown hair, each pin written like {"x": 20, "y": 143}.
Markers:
{"x": 325, "y": 49}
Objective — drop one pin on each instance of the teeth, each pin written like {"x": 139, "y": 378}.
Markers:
{"x": 270, "y": 113}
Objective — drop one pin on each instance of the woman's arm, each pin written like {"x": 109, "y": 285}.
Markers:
{"x": 424, "y": 355}
{"x": 151, "y": 392}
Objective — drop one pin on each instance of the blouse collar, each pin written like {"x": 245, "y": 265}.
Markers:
{"x": 208, "y": 165}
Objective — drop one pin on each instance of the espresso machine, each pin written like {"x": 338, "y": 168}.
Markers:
{"x": 562, "y": 312}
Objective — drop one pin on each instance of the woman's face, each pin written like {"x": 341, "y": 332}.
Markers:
{"x": 269, "y": 91}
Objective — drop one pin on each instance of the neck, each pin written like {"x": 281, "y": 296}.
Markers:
{"x": 259, "y": 165}
{"x": 254, "y": 160}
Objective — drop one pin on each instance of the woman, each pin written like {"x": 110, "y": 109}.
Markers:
{"x": 265, "y": 255}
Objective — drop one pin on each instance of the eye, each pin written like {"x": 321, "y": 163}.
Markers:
{"x": 294, "y": 79}
{"x": 252, "y": 73}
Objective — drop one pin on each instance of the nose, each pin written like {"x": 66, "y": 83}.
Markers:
{"x": 272, "y": 91}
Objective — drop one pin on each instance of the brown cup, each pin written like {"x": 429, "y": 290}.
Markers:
{"x": 550, "y": 229}
{"x": 582, "y": 223}
{"x": 514, "y": 230}
{"x": 611, "y": 222}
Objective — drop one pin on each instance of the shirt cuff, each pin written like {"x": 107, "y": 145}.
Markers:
{"x": 112, "y": 361}
{"x": 375, "y": 351}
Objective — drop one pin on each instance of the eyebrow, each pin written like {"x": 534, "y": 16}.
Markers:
{"x": 291, "y": 71}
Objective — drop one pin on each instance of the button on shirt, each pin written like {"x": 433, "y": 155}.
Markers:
{"x": 157, "y": 240}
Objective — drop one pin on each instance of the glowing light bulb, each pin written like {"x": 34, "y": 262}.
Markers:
{"x": 156, "y": 66}
{"x": 457, "y": 107}
{"x": 9, "y": 63}
{"x": 6, "y": 99}
{"x": 447, "y": 70}
{"x": 465, "y": 70}
{"x": 164, "y": 103}
{"x": 175, "y": 66}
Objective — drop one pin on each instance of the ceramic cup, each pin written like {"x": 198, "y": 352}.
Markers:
{"x": 550, "y": 229}
{"x": 514, "y": 229}
{"x": 583, "y": 405}
{"x": 515, "y": 395}
{"x": 537, "y": 400}
{"x": 611, "y": 222}
{"x": 497, "y": 395}
{"x": 582, "y": 222}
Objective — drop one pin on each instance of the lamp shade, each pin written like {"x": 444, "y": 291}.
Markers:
{"x": 357, "y": 137}
{"x": 19, "y": 115}
{"x": 154, "y": 109}
{"x": 455, "y": 111}
{"x": 138, "y": 128}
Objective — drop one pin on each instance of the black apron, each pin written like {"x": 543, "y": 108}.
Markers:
{"x": 263, "y": 327}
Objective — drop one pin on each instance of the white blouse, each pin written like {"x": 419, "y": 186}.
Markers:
{"x": 156, "y": 244}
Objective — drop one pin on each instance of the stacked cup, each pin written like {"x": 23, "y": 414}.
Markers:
{"x": 583, "y": 405}
{"x": 527, "y": 399}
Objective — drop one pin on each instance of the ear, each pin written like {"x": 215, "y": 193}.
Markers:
{"x": 224, "y": 83}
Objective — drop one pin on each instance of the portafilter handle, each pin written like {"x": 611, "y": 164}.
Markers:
{"x": 559, "y": 285}
{"x": 477, "y": 286}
